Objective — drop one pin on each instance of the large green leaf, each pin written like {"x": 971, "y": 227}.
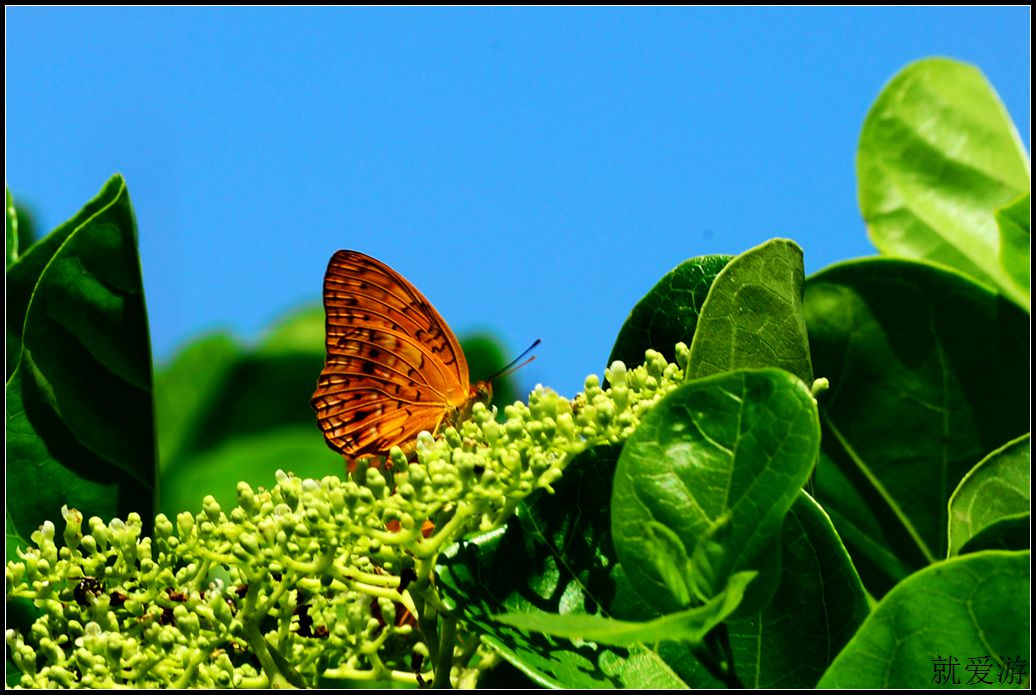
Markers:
{"x": 703, "y": 485}
{"x": 80, "y": 423}
{"x": 996, "y": 489}
{"x": 818, "y": 607}
{"x": 938, "y": 156}
{"x": 556, "y": 557}
{"x": 927, "y": 376}
{"x": 752, "y": 317}
{"x": 668, "y": 313}
{"x": 972, "y": 610}
{"x": 1013, "y": 221}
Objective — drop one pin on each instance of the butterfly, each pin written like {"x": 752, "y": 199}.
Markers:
{"x": 393, "y": 367}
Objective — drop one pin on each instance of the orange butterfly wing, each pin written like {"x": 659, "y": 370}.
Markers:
{"x": 393, "y": 367}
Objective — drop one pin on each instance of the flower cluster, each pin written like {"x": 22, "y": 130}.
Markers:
{"x": 309, "y": 582}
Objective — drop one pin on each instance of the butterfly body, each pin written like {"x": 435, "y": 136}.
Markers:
{"x": 393, "y": 366}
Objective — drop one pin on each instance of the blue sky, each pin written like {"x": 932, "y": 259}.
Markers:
{"x": 533, "y": 171}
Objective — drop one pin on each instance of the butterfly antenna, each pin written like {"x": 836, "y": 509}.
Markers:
{"x": 511, "y": 367}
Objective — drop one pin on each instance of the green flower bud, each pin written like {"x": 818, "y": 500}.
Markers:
{"x": 116, "y": 647}
{"x": 15, "y": 574}
{"x": 88, "y": 546}
{"x": 376, "y": 482}
{"x": 73, "y": 526}
{"x": 186, "y": 621}
{"x": 225, "y": 670}
{"x": 163, "y": 527}
{"x": 246, "y": 498}
{"x": 288, "y": 493}
{"x": 452, "y": 437}
{"x": 184, "y": 524}
{"x": 99, "y": 531}
{"x": 24, "y": 658}
{"x": 247, "y": 546}
{"x": 44, "y": 534}
{"x": 211, "y": 508}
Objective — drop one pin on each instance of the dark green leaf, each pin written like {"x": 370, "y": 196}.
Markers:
{"x": 973, "y": 608}
{"x": 752, "y": 317}
{"x": 880, "y": 552}
{"x": 1013, "y": 221}
{"x": 472, "y": 579}
{"x": 80, "y": 420}
{"x": 690, "y": 626}
{"x": 504, "y": 675}
{"x": 938, "y": 155}
{"x": 1009, "y": 533}
{"x": 23, "y": 275}
{"x": 733, "y": 449}
{"x": 556, "y": 556}
{"x": 995, "y": 489}
{"x": 668, "y": 313}
{"x": 924, "y": 370}
{"x": 818, "y": 607}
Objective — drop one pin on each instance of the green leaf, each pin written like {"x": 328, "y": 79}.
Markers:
{"x": 1013, "y": 221}
{"x": 298, "y": 332}
{"x": 26, "y": 228}
{"x": 185, "y": 391}
{"x": 228, "y": 414}
{"x": 668, "y": 313}
{"x": 924, "y": 371}
{"x": 14, "y": 537}
{"x": 973, "y": 609}
{"x": 23, "y": 276}
{"x": 555, "y": 556}
{"x": 1010, "y": 533}
{"x": 80, "y": 420}
{"x": 995, "y": 489}
{"x": 937, "y": 156}
{"x": 732, "y": 449}
{"x": 879, "y": 552}
{"x": 818, "y": 607}
{"x": 689, "y": 626}
{"x": 752, "y": 317}
{"x": 11, "y": 227}
{"x": 253, "y": 458}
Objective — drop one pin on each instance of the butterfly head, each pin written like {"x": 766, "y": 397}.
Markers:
{"x": 481, "y": 392}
